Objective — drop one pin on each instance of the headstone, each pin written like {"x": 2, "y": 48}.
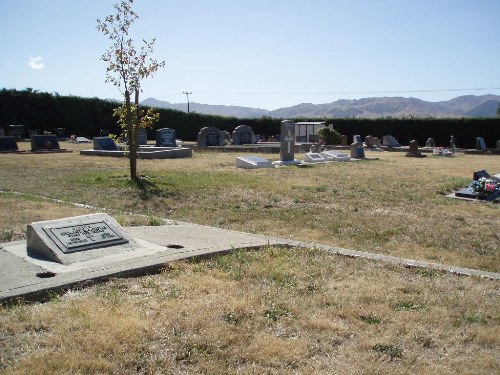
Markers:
{"x": 369, "y": 141}
{"x": 356, "y": 139}
{"x": 480, "y": 145}
{"x": 376, "y": 142}
{"x": 165, "y": 137}
{"x": 498, "y": 145}
{"x": 8, "y": 144}
{"x": 210, "y": 136}
{"x": 313, "y": 157}
{"x": 75, "y": 239}
{"x": 390, "y": 141}
{"x": 453, "y": 143}
{"x": 413, "y": 151}
{"x": 142, "y": 136}
{"x": 243, "y": 135}
{"x": 253, "y": 162}
{"x": 104, "y": 143}
{"x": 60, "y": 132}
{"x": 45, "y": 142}
{"x": 430, "y": 143}
{"x": 17, "y": 131}
{"x": 470, "y": 192}
{"x": 343, "y": 140}
{"x": 287, "y": 141}
{"x": 357, "y": 151}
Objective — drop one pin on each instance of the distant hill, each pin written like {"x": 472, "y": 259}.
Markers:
{"x": 462, "y": 106}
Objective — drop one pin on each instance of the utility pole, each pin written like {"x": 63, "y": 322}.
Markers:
{"x": 187, "y": 95}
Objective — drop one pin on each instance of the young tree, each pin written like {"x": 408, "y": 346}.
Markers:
{"x": 127, "y": 67}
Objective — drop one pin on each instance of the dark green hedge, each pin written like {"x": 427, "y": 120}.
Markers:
{"x": 87, "y": 116}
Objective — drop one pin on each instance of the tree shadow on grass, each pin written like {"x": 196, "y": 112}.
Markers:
{"x": 148, "y": 189}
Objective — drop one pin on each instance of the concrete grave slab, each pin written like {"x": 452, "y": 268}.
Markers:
{"x": 253, "y": 162}
{"x": 313, "y": 157}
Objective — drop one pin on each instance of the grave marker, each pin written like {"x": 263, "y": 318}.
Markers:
{"x": 142, "y": 136}
{"x": 430, "y": 143}
{"x": 343, "y": 140}
{"x": 62, "y": 240}
{"x": 8, "y": 144}
{"x": 104, "y": 143}
{"x": 390, "y": 141}
{"x": 46, "y": 142}
{"x": 165, "y": 137}
{"x": 357, "y": 151}
{"x": 414, "y": 152}
{"x": 313, "y": 157}
{"x": 253, "y": 162}
{"x": 287, "y": 140}
{"x": 243, "y": 135}
{"x": 480, "y": 145}
{"x": 210, "y": 136}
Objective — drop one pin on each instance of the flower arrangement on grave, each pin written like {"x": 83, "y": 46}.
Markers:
{"x": 485, "y": 186}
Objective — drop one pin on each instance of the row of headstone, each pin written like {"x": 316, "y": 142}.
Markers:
{"x": 211, "y": 136}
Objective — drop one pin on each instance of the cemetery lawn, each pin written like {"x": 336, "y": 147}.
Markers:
{"x": 276, "y": 310}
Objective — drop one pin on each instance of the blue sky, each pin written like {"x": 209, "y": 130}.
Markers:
{"x": 262, "y": 53}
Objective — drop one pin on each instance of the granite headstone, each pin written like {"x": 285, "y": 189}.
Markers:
{"x": 165, "y": 137}
{"x": 45, "y": 142}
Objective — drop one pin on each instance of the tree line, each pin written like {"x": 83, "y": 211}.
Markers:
{"x": 88, "y": 116}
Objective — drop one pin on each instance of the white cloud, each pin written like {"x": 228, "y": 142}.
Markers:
{"x": 36, "y": 63}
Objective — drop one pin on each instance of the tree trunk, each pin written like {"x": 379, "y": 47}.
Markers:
{"x": 131, "y": 137}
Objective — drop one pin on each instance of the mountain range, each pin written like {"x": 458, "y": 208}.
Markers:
{"x": 462, "y": 106}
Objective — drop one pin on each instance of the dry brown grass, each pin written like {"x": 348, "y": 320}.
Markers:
{"x": 276, "y": 311}
{"x": 394, "y": 206}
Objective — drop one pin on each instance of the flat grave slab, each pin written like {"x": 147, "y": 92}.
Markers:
{"x": 104, "y": 143}
{"x": 313, "y": 157}
{"x": 332, "y": 155}
{"x": 253, "y": 162}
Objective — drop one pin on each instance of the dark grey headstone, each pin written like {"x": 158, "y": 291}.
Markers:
{"x": 17, "y": 131}
{"x": 343, "y": 140}
{"x": 480, "y": 145}
{"x": 210, "y": 136}
{"x": 104, "y": 143}
{"x": 165, "y": 137}
{"x": 45, "y": 142}
{"x": 243, "y": 135}
{"x": 142, "y": 136}
{"x": 480, "y": 174}
{"x": 287, "y": 150}
{"x": 8, "y": 144}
